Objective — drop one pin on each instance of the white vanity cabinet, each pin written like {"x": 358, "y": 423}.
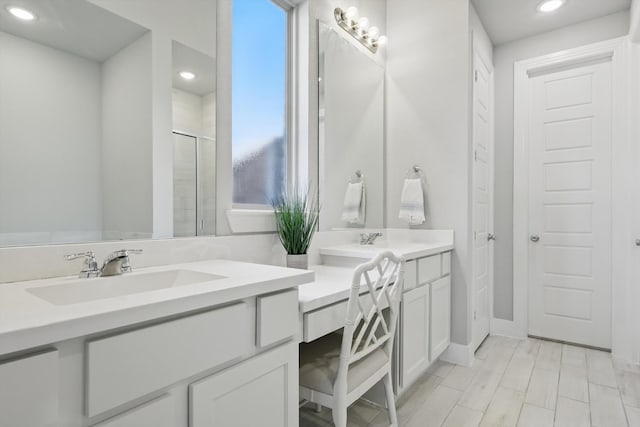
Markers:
{"x": 256, "y": 392}
{"x": 235, "y": 364}
{"x": 412, "y": 347}
{"x": 29, "y": 390}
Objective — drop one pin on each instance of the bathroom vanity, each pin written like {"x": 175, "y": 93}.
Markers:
{"x": 424, "y": 324}
{"x": 177, "y": 346}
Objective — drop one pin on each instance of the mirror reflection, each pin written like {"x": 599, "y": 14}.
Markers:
{"x": 100, "y": 136}
{"x": 351, "y": 96}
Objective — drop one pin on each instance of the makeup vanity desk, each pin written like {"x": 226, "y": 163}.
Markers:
{"x": 424, "y": 323}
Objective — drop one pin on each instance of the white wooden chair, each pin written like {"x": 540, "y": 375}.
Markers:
{"x": 336, "y": 370}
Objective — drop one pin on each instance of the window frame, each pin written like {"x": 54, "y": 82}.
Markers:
{"x": 243, "y": 210}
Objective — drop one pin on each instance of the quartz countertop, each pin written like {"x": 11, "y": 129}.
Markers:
{"x": 333, "y": 282}
{"x": 27, "y": 321}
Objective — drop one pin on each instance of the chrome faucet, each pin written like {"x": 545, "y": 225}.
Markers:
{"x": 90, "y": 268}
{"x": 369, "y": 238}
{"x": 117, "y": 262}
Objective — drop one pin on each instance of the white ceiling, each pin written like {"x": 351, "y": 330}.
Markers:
{"x": 508, "y": 20}
{"x": 77, "y": 27}
{"x": 203, "y": 66}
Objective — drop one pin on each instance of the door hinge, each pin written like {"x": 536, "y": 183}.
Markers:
{"x": 475, "y": 317}
{"x": 475, "y": 235}
{"x": 475, "y": 77}
{"x": 475, "y": 155}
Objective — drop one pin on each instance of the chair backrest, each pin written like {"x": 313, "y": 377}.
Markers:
{"x": 376, "y": 285}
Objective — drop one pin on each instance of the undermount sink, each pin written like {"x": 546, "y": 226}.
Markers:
{"x": 83, "y": 290}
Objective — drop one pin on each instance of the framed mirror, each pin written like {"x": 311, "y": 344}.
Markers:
{"x": 351, "y": 131}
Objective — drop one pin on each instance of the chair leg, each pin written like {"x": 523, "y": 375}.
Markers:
{"x": 339, "y": 414}
{"x": 391, "y": 401}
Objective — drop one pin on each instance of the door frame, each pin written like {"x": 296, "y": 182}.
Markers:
{"x": 479, "y": 54}
{"x": 622, "y": 335}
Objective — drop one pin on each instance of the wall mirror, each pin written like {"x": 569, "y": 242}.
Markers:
{"x": 350, "y": 126}
{"x": 107, "y": 120}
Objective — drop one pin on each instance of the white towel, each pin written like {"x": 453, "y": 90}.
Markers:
{"x": 354, "y": 203}
{"x": 412, "y": 202}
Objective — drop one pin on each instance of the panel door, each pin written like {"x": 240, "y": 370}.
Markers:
{"x": 482, "y": 197}
{"x": 414, "y": 335}
{"x": 157, "y": 413}
{"x": 262, "y": 391}
{"x": 570, "y": 205}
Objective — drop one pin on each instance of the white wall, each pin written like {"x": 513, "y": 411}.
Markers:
{"x": 127, "y": 142}
{"x": 505, "y": 55}
{"x": 428, "y": 87}
{"x": 49, "y": 144}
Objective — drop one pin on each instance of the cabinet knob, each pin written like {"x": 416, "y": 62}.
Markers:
{"x": 637, "y": 242}
{"x": 534, "y": 238}
{"x": 491, "y": 236}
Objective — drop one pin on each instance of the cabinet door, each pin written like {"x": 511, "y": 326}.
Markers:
{"x": 157, "y": 413}
{"x": 262, "y": 391}
{"x": 29, "y": 391}
{"x": 414, "y": 335}
{"x": 440, "y": 316}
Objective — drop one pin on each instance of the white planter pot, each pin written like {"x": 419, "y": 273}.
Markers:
{"x": 298, "y": 261}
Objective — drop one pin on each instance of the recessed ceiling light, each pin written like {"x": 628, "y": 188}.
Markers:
{"x": 187, "y": 75}
{"x": 550, "y": 5}
{"x": 21, "y": 13}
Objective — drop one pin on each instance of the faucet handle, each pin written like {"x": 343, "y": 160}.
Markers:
{"x": 126, "y": 267}
{"x": 90, "y": 264}
{"x": 87, "y": 255}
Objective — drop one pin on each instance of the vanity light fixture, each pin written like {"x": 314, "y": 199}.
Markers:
{"x": 550, "y": 5}
{"x": 187, "y": 75}
{"x": 359, "y": 28}
{"x": 20, "y": 13}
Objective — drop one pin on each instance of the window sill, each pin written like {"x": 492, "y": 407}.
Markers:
{"x": 251, "y": 221}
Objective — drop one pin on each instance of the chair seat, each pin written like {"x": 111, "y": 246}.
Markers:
{"x": 320, "y": 359}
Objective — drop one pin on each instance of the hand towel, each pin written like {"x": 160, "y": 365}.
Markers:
{"x": 353, "y": 210}
{"x": 412, "y": 202}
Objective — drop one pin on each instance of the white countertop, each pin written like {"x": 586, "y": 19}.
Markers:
{"x": 333, "y": 283}
{"x": 409, "y": 250}
{"x": 26, "y": 321}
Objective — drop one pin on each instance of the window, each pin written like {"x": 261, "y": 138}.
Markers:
{"x": 259, "y": 101}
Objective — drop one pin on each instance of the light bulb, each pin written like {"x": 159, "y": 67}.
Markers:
{"x": 363, "y": 23}
{"x": 374, "y": 33}
{"x": 187, "y": 75}
{"x": 550, "y": 5}
{"x": 21, "y": 13}
{"x": 351, "y": 14}
{"x": 382, "y": 40}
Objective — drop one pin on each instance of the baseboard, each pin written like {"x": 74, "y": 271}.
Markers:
{"x": 460, "y": 354}
{"x": 506, "y": 328}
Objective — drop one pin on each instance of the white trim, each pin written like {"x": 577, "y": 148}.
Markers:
{"x": 622, "y": 334}
{"x": 459, "y": 354}
{"x": 634, "y": 30}
{"x": 251, "y": 221}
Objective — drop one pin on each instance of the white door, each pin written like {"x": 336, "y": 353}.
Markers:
{"x": 570, "y": 204}
{"x": 482, "y": 199}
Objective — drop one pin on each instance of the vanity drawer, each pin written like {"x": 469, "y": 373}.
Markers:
{"x": 127, "y": 366}
{"x": 320, "y": 322}
{"x": 157, "y": 413}
{"x": 410, "y": 275}
{"x": 277, "y": 317}
{"x": 29, "y": 391}
{"x": 429, "y": 269}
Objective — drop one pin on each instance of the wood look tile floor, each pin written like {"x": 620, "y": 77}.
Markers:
{"x": 530, "y": 383}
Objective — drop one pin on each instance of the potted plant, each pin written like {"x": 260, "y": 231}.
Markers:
{"x": 296, "y": 221}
